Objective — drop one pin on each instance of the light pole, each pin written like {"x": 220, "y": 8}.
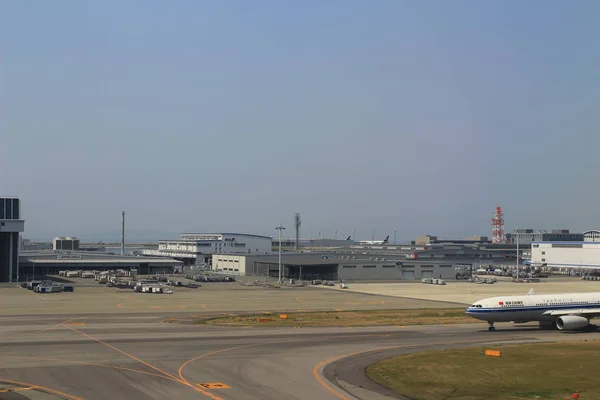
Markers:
{"x": 353, "y": 235}
{"x": 395, "y": 237}
{"x": 372, "y": 236}
{"x": 517, "y": 234}
{"x": 280, "y": 228}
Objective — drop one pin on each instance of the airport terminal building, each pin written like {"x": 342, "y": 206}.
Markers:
{"x": 38, "y": 263}
{"x": 198, "y": 248}
{"x": 18, "y": 264}
{"x": 328, "y": 266}
{"x": 11, "y": 225}
{"x": 566, "y": 254}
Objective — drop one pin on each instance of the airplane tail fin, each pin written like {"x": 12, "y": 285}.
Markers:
{"x": 348, "y": 238}
{"x": 531, "y": 292}
{"x": 387, "y": 238}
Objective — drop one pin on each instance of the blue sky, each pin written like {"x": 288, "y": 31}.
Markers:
{"x": 379, "y": 115}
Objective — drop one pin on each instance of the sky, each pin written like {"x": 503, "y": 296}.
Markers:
{"x": 230, "y": 116}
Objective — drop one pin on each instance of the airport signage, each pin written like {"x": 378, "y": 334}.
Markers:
{"x": 68, "y": 257}
{"x": 200, "y": 237}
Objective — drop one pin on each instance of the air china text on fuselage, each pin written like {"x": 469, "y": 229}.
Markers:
{"x": 566, "y": 311}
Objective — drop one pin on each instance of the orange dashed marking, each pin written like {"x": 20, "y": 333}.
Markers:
{"x": 16, "y": 389}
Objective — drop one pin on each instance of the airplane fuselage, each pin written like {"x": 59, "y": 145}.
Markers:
{"x": 546, "y": 307}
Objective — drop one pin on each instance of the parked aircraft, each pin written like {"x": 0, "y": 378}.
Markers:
{"x": 384, "y": 241}
{"x": 566, "y": 311}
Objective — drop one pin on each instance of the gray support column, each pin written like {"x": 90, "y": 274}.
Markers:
{"x": 10, "y": 257}
{"x": 18, "y": 249}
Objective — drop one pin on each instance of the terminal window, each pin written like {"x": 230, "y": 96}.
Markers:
{"x": 9, "y": 208}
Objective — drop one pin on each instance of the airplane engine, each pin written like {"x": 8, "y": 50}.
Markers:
{"x": 571, "y": 323}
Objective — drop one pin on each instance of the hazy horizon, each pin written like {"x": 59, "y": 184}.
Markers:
{"x": 213, "y": 116}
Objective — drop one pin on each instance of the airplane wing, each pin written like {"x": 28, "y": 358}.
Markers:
{"x": 584, "y": 312}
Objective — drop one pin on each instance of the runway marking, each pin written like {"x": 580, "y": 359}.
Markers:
{"x": 184, "y": 382}
{"x": 181, "y": 368}
{"x": 43, "y": 388}
{"x": 215, "y": 385}
{"x": 17, "y": 389}
{"x": 59, "y": 324}
{"x": 91, "y": 364}
{"x": 123, "y": 352}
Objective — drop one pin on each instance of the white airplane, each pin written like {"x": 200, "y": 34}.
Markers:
{"x": 372, "y": 242}
{"x": 566, "y": 311}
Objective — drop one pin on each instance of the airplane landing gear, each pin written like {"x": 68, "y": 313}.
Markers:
{"x": 491, "y": 328}
{"x": 548, "y": 325}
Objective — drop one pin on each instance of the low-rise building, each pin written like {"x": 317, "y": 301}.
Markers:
{"x": 197, "y": 248}
{"x": 566, "y": 254}
{"x": 591, "y": 236}
{"x": 329, "y": 266}
{"x": 34, "y": 264}
{"x": 525, "y": 237}
{"x": 65, "y": 243}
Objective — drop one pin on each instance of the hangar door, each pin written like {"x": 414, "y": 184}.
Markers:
{"x": 427, "y": 273}
{"x": 408, "y": 275}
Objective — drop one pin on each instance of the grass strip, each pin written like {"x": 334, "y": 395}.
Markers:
{"x": 532, "y": 371}
{"x": 348, "y": 318}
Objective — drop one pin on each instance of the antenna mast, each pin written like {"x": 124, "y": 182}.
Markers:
{"x": 123, "y": 234}
{"x": 498, "y": 227}
{"x": 297, "y": 224}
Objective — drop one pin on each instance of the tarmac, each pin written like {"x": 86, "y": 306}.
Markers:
{"x": 215, "y": 297}
{"x": 85, "y": 346}
{"x": 466, "y": 293}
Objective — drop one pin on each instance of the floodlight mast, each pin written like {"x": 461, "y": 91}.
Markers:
{"x": 280, "y": 228}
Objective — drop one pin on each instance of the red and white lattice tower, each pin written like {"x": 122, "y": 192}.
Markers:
{"x": 498, "y": 226}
